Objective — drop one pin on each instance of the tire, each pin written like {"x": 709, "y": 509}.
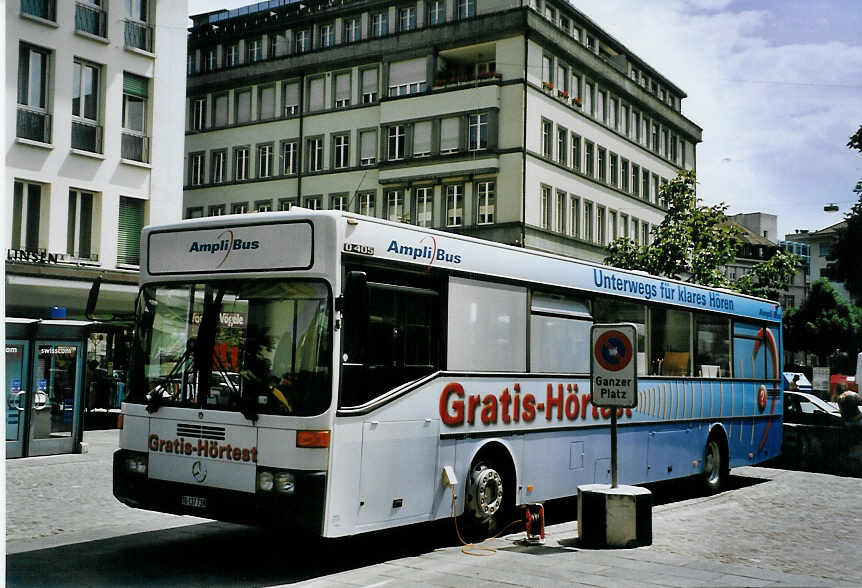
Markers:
{"x": 715, "y": 465}
{"x": 488, "y": 501}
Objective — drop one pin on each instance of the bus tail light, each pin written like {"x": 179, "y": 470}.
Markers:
{"x": 312, "y": 438}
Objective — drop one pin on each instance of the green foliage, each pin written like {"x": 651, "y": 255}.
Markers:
{"x": 694, "y": 243}
{"x": 855, "y": 141}
{"x": 845, "y": 266}
{"x": 825, "y": 324}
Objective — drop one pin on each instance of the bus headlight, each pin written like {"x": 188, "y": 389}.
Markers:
{"x": 264, "y": 481}
{"x": 285, "y": 483}
{"x": 136, "y": 464}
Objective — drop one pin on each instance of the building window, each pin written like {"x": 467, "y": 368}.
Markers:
{"x": 424, "y": 201}
{"x": 352, "y": 30}
{"x": 636, "y": 180}
{"x": 368, "y": 147}
{"x": 546, "y": 207}
{"x": 624, "y": 120}
{"x": 366, "y": 203}
{"x": 614, "y": 175}
{"x": 278, "y": 45}
{"x": 240, "y": 164}
{"x": 560, "y": 225}
{"x": 436, "y": 12}
{"x": 341, "y": 150}
{"x": 466, "y": 9}
{"x": 91, "y": 18}
{"x": 303, "y": 41}
{"x": 674, "y": 152}
{"x": 196, "y": 169}
{"x": 454, "y": 205}
{"x": 612, "y": 113}
{"x": 407, "y": 77}
{"x": 266, "y": 103}
{"x": 658, "y": 199}
{"x": 612, "y": 219}
{"x": 576, "y": 152}
{"x": 588, "y": 98}
{"x": 636, "y": 231}
{"x": 239, "y": 208}
{"x": 645, "y": 185}
{"x": 291, "y": 98}
{"x": 44, "y": 9}
{"x": 665, "y": 143}
{"x": 602, "y": 162}
{"x": 407, "y": 19}
{"x": 562, "y": 146}
{"x": 562, "y": 79}
{"x": 255, "y": 50}
{"x": 450, "y": 135}
{"x": 264, "y": 160}
{"x": 575, "y": 216}
{"x": 243, "y": 106}
{"x": 195, "y": 212}
{"x": 654, "y": 143}
{"x": 379, "y": 26}
{"x": 478, "y": 131}
{"x": 198, "y": 114}
{"x": 397, "y": 136}
{"x": 315, "y": 95}
{"x": 624, "y": 174}
{"x": 636, "y": 125}
{"x": 219, "y": 116}
{"x": 644, "y": 233}
{"x": 342, "y": 90}
{"x": 327, "y": 35}
{"x": 217, "y": 169}
{"x": 395, "y": 205}
{"x": 588, "y": 156}
{"x": 315, "y": 154}
{"x": 422, "y": 138}
{"x": 289, "y": 157}
{"x": 216, "y": 210}
{"x": 624, "y": 226}
{"x": 135, "y": 143}
{"x": 486, "y": 197}
{"x": 26, "y": 216}
{"x": 547, "y": 139}
{"x": 601, "y": 109}
{"x": 131, "y": 222}
{"x": 369, "y": 85}
{"x": 588, "y": 221}
{"x": 86, "y": 131}
{"x": 33, "y": 121}
{"x": 263, "y": 206}
{"x": 285, "y": 204}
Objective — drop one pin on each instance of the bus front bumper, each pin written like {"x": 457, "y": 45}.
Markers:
{"x": 301, "y": 510}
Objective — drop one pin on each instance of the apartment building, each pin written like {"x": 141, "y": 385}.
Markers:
{"x": 523, "y": 123}
{"x": 93, "y": 145}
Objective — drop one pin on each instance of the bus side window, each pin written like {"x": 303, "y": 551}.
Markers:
{"x": 559, "y": 334}
{"x": 402, "y": 342}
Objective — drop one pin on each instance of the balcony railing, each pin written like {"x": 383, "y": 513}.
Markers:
{"x": 45, "y": 9}
{"x": 86, "y": 136}
{"x": 33, "y": 124}
{"x": 135, "y": 147}
{"x": 91, "y": 19}
{"x": 139, "y": 35}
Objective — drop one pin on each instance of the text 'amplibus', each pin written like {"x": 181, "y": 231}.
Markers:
{"x": 457, "y": 407}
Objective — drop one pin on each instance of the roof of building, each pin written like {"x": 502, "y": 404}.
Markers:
{"x": 748, "y": 236}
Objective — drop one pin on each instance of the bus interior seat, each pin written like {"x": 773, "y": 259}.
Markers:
{"x": 675, "y": 363}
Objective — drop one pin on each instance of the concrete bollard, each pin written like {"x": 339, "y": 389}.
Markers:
{"x": 614, "y": 517}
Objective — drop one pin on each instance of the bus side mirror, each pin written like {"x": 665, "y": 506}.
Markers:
{"x": 93, "y": 298}
{"x": 355, "y": 316}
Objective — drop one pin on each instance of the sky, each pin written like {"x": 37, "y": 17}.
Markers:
{"x": 776, "y": 86}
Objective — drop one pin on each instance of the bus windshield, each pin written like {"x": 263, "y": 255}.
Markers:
{"x": 253, "y": 346}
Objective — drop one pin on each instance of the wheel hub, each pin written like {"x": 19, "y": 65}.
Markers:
{"x": 486, "y": 492}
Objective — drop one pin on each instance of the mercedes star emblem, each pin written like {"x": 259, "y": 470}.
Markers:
{"x": 199, "y": 471}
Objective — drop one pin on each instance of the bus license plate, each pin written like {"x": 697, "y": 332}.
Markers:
{"x": 194, "y": 501}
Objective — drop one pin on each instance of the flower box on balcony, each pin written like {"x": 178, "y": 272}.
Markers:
{"x": 577, "y": 102}
{"x": 548, "y": 86}
{"x": 564, "y": 94}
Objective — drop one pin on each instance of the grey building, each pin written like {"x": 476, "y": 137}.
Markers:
{"x": 522, "y": 123}
{"x": 820, "y": 245}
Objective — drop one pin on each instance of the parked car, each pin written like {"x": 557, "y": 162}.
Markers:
{"x": 814, "y": 434}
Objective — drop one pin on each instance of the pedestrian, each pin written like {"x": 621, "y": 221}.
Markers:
{"x": 849, "y": 403}
{"x": 794, "y": 384}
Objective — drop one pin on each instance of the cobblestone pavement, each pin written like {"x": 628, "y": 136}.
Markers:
{"x": 775, "y": 527}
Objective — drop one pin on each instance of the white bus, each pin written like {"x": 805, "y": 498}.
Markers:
{"x": 342, "y": 374}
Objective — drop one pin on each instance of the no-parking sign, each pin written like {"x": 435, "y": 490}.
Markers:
{"x": 613, "y": 365}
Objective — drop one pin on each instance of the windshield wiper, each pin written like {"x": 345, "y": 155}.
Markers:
{"x": 154, "y": 397}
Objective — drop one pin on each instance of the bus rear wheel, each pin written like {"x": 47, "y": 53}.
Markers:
{"x": 715, "y": 465}
{"x": 486, "y": 501}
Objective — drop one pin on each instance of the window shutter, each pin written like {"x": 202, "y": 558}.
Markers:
{"x": 342, "y": 86}
{"x": 220, "y": 111}
{"x": 422, "y": 137}
{"x": 267, "y": 103}
{"x": 85, "y": 225}
{"x": 369, "y": 81}
{"x": 405, "y": 72}
{"x": 369, "y": 144}
{"x": 135, "y": 85}
{"x": 291, "y": 94}
{"x": 131, "y": 222}
{"x": 243, "y": 106}
{"x": 315, "y": 94}
{"x": 449, "y": 134}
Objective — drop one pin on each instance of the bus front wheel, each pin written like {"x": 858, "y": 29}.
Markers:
{"x": 486, "y": 500}
{"x": 715, "y": 465}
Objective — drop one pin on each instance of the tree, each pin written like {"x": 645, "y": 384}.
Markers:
{"x": 825, "y": 324}
{"x": 694, "y": 243}
{"x": 845, "y": 265}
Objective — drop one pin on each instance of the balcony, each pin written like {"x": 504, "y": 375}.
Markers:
{"x": 139, "y": 35}
{"x": 44, "y": 9}
{"x": 87, "y": 136}
{"x": 33, "y": 124}
{"x": 135, "y": 147}
{"x": 91, "y": 19}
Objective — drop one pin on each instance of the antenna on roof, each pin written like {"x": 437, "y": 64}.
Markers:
{"x": 831, "y": 207}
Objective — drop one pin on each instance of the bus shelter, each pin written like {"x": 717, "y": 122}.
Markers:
{"x": 45, "y": 383}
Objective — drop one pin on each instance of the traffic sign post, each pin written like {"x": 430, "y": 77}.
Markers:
{"x": 613, "y": 374}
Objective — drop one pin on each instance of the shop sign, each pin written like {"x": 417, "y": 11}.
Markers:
{"x": 40, "y": 256}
